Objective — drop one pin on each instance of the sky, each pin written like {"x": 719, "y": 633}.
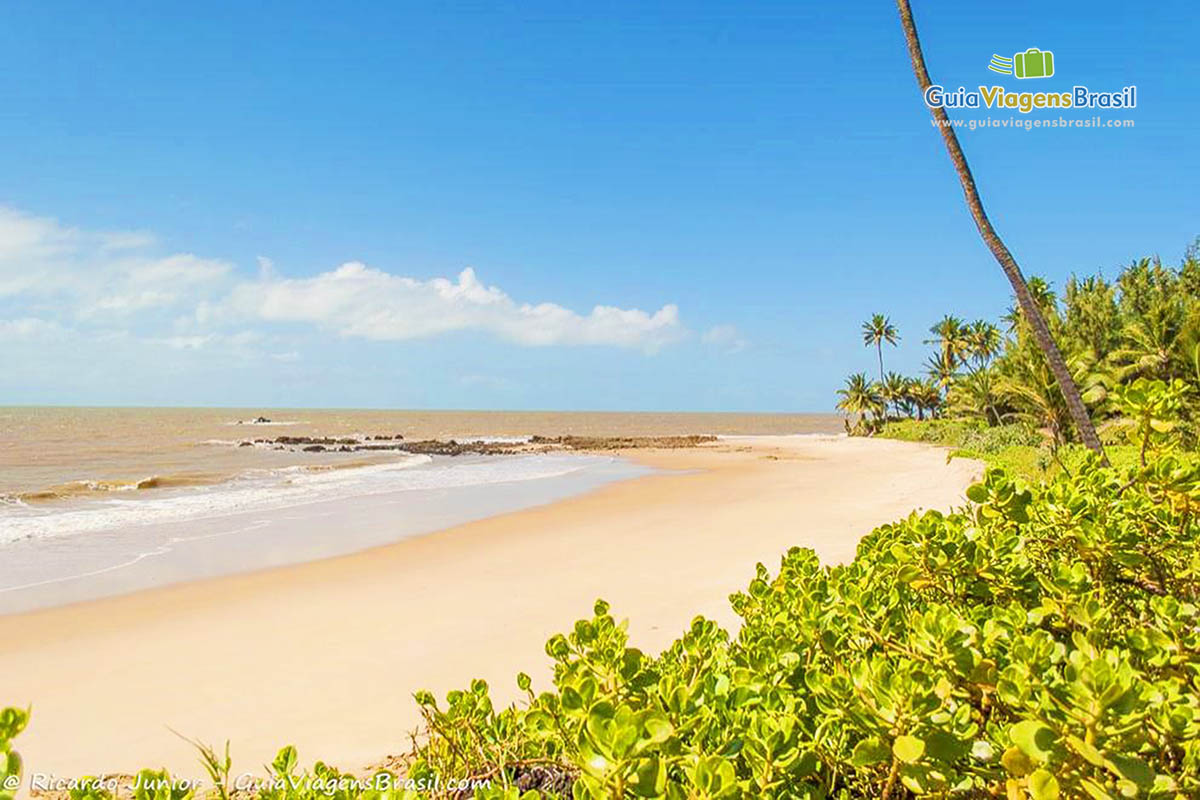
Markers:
{"x": 546, "y": 205}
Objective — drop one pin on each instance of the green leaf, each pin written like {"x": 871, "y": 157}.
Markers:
{"x": 1016, "y": 762}
{"x": 656, "y": 727}
{"x": 908, "y": 749}
{"x": 1043, "y": 785}
{"x": 1091, "y": 754}
{"x": 945, "y": 747}
{"x": 870, "y": 751}
{"x": 1131, "y": 768}
{"x": 650, "y": 778}
{"x": 1035, "y": 739}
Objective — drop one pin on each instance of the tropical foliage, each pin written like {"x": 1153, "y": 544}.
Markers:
{"x": 1144, "y": 324}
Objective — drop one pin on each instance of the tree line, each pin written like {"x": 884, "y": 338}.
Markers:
{"x": 1144, "y": 323}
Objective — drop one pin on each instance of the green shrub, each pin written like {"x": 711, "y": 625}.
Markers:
{"x": 947, "y": 432}
{"x": 1017, "y": 448}
{"x": 1001, "y": 437}
{"x": 1040, "y": 643}
{"x": 12, "y": 722}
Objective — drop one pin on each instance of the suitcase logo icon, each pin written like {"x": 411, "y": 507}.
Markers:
{"x": 1033, "y": 63}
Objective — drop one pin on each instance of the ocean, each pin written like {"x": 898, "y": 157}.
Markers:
{"x": 98, "y": 501}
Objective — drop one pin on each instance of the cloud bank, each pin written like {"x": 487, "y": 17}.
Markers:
{"x": 56, "y": 279}
{"x": 357, "y": 300}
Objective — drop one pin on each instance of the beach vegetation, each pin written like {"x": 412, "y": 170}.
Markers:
{"x": 1133, "y": 345}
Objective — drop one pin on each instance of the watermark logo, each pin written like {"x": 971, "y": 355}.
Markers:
{"x": 1033, "y": 63}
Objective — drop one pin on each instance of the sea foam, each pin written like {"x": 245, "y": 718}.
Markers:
{"x": 277, "y": 488}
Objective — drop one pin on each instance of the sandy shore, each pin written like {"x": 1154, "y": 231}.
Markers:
{"x": 326, "y": 655}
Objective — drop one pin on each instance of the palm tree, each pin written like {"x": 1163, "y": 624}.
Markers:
{"x": 859, "y": 396}
{"x": 894, "y": 389}
{"x": 976, "y": 394}
{"x": 940, "y": 371}
{"x": 952, "y": 339}
{"x": 1028, "y": 387}
{"x": 926, "y": 396}
{"x": 983, "y": 342}
{"x": 877, "y": 330}
{"x": 1041, "y": 331}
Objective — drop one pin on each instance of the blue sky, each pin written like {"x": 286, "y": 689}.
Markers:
{"x": 736, "y": 186}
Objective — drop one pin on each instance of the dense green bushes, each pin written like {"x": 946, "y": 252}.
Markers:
{"x": 1041, "y": 642}
{"x": 1037, "y": 644}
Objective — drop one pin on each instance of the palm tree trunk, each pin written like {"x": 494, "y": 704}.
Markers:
{"x": 1041, "y": 331}
{"x": 879, "y": 350}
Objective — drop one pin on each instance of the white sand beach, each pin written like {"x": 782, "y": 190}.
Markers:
{"x": 326, "y": 655}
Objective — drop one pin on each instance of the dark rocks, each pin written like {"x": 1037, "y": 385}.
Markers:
{"x": 453, "y": 447}
{"x": 301, "y": 440}
{"x": 436, "y": 447}
{"x": 622, "y": 442}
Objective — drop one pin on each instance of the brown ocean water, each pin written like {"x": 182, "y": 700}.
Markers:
{"x": 58, "y": 454}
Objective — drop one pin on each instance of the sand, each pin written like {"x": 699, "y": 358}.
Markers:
{"x": 326, "y": 655}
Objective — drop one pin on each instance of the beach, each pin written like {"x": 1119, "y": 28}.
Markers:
{"x": 325, "y": 655}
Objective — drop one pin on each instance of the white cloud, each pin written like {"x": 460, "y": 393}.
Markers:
{"x": 123, "y": 281}
{"x": 357, "y": 300}
{"x": 105, "y": 272}
{"x": 725, "y": 337}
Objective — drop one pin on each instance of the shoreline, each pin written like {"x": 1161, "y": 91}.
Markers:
{"x": 326, "y": 654}
{"x": 145, "y": 556}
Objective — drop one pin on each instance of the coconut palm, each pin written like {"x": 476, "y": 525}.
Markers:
{"x": 925, "y": 396}
{"x": 894, "y": 388}
{"x": 1091, "y": 319}
{"x": 976, "y": 395}
{"x": 860, "y": 396}
{"x": 983, "y": 342}
{"x": 877, "y": 330}
{"x": 1033, "y": 314}
{"x": 952, "y": 339}
{"x": 940, "y": 371}
{"x": 1028, "y": 387}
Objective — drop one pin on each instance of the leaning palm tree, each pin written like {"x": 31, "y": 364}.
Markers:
{"x": 877, "y": 330}
{"x": 1058, "y": 366}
